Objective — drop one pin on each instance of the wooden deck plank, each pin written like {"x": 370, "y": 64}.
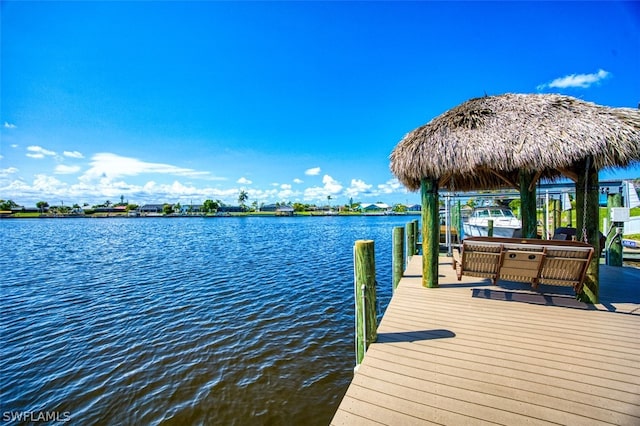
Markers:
{"x": 494, "y": 323}
{"x": 472, "y": 353}
{"x": 566, "y": 355}
{"x": 512, "y": 371}
{"x": 502, "y": 380}
{"x": 396, "y": 401}
{"x": 491, "y": 403}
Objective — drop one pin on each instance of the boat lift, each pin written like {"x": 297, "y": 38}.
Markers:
{"x": 554, "y": 190}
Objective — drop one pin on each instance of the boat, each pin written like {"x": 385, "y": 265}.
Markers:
{"x": 505, "y": 224}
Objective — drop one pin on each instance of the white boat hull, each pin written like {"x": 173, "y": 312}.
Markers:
{"x": 473, "y": 230}
{"x": 505, "y": 224}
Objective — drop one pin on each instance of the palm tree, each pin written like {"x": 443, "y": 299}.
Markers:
{"x": 242, "y": 198}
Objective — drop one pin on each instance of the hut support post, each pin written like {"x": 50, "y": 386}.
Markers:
{"x": 588, "y": 217}
{"x": 430, "y": 232}
{"x": 528, "y": 205}
{"x": 398, "y": 255}
{"x": 365, "y": 296}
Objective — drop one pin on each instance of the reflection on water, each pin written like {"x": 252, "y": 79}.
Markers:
{"x": 183, "y": 321}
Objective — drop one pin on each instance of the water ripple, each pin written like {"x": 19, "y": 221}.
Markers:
{"x": 195, "y": 321}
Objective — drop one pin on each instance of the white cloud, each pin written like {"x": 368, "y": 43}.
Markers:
{"x": 287, "y": 195}
{"x": 261, "y": 195}
{"x": 9, "y": 125}
{"x": 357, "y": 187}
{"x": 331, "y": 187}
{"x": 391, "y": 186}
{"x": 178, "y": 189}
{"x": 285, "y": 186}
{"x": 73, "y": 154}
{"x": 582, "y": 81}
{"x": 8, "y": 171}
{"x": 244, "y": 181}
{"x": 38, "y": 152}
{"x": 296, "y": 180}
{"x": 61, "y": 169}
{"x": 313, "y": 171}
{"x": 16, "y": 187}
{"x": 112, "y": 166}
{"x": 47, "y": 184}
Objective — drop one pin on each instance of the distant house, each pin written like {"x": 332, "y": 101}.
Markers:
{"x": 22, "y": 209}
{"x": 375, "y": 208}
{"x": 111, "y": 209}
{"x": 284, "y": 211}
{"x": 269, "y": 208}
{"x": 279, "y": 210}
{"x": 151, "y": 209}
{"x": 230, "y": 209}
{"x": 413, "y": 207}
{"x": 191, "y": 209}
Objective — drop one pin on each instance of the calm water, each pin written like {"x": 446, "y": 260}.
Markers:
{"x": 182, "y": 321}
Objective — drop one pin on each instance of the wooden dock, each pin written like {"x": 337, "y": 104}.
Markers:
{"x": 469, "y": 353}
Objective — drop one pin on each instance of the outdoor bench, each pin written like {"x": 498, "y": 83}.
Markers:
{"x": 551, "y": 262}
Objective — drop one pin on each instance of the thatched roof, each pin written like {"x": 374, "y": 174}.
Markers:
{"x": 484, "y": 142}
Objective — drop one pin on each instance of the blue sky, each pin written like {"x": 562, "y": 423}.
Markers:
{"x": 289, "y": 101}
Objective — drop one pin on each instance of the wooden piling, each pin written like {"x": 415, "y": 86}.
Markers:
{"x": 365, "y": 296}
{"x": 398, "y": 258}
{"x": 411, "y": 239}
{"x": 490, "y": 228}
{"x": 416, "y": 234}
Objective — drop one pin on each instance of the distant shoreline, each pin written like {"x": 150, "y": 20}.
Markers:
{"x": 173, "y": 216}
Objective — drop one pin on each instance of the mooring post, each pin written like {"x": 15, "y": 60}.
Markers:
{"x": 490, "y": 228}
{"x": 364, "y": 267}
{"x": 411, "y": 239}
{"x": 416, "y": 234}
{"x": 398, "y": 255}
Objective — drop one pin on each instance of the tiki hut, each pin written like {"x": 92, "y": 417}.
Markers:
{"x": 512, "y": 141}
